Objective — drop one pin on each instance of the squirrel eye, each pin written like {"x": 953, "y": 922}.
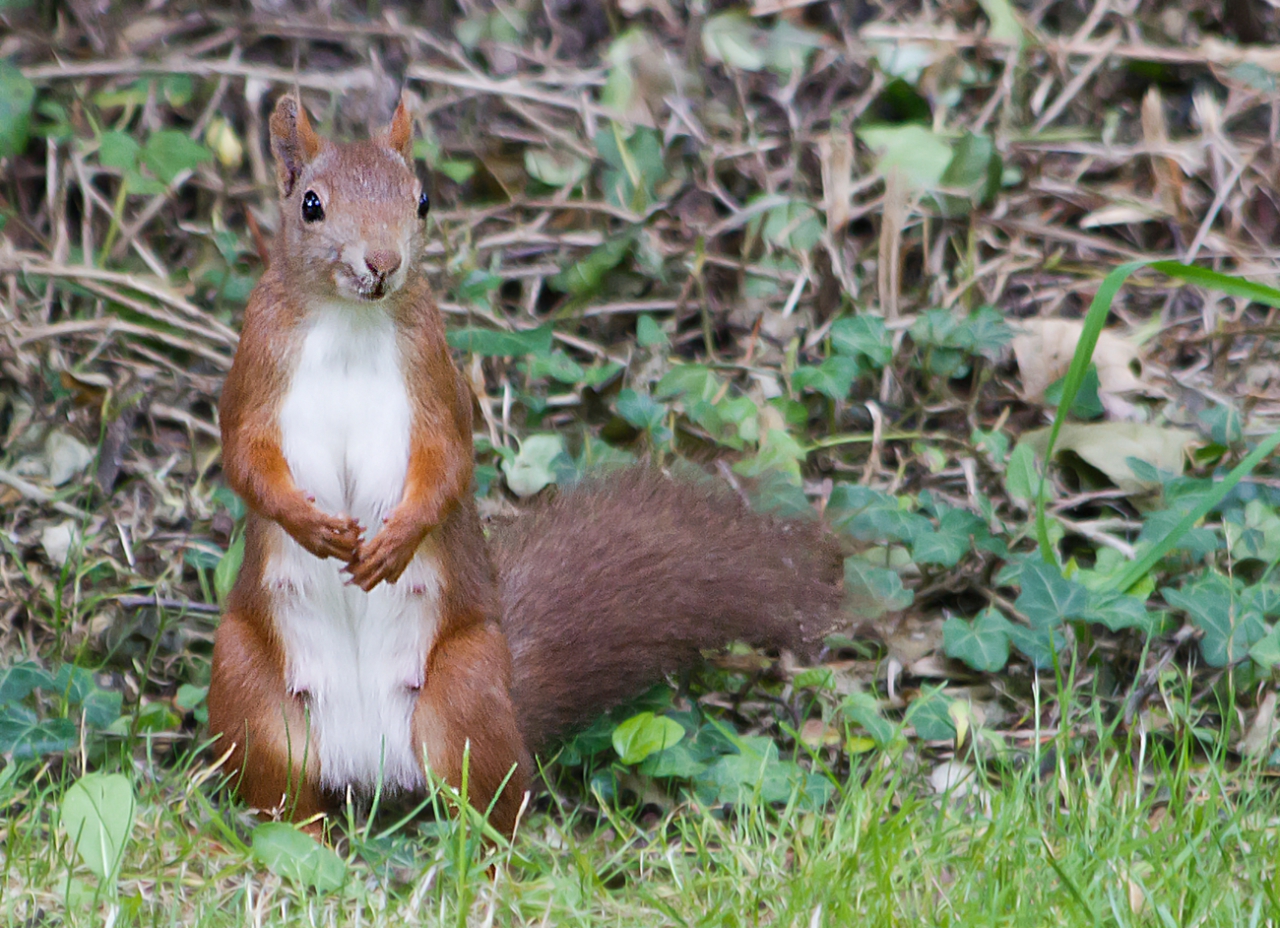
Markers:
{"x": 312, "y": 211}
{"x": 424, "y": 205}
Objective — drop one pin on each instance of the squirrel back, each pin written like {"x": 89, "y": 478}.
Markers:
{"x": 629, "y": 575}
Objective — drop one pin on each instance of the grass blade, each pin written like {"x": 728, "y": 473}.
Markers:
{"x": 1094, "y": 320}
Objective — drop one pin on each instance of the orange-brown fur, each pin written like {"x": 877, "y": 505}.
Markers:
{"x": 602, "y": 591}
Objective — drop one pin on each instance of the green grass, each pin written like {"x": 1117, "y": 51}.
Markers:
{"x": 1130, "y": 830}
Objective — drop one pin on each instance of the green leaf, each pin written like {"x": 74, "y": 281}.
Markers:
{"x": 1087, "y": 405}
{"x": 168, "y": 153}
{"x": 288, "y": 852}
{"x": 789, "y": 47}
{"x": 16, "y": 96}
{"x": 491, "y": 343}
{"x": 1117, "y": 611}
{"x": 690, "y": 381}
{"x": 1047, "y": 598}
{"x": 679, "y": 761}
{"x": 880, "y": 586}
{"x": 921, "y": 155}
{"x": 1004, "y": 23}
{"x": 1039, "y": 645}
{"x": 983, "y": 644}
{"x": 974, "y": 168}
{"x": 1021, "y": 478}
{"x": 778, "y": 451}
{"x": 732, "y": 38}
{"x": 950, "y": 542}
{"x": 640, "y": 409}
{"x": 224, "y": 575}
{"x": 1139, "y": 568}
{"x": 557, "y": 365}
{"x": 535, "y": 465}
{"x": 118, "y": 150}
{"x": 833, "y": 378}
{"x": 555, "y": 168}
{"x": 101, "y": 707}
{"x": 864, "y": 710}
{"x": 929, "y": 715}
{"x": 23, "y": 734}
{"x": 794, "y": 224}
{"x": 18, "y": 680}
{"x": 645, "y": 734}
{"x": 1230, "y": 627}
{"x": 1266, "y": 650}
{"x": 457, "y": 170}
{"x": 585, "y": 277}
{"x": 863, "y": 335}
{"x": 649, "y": 334}
{"x": 97, "y": 816}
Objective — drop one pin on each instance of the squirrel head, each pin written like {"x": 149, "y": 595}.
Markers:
{"x": 351, "y": 214}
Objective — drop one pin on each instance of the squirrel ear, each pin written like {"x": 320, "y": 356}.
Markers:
{"x": 293, "y": 142}
{"x": 399, "y": 135}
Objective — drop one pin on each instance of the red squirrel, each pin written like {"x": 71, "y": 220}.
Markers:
{"x": 371, "y": 630}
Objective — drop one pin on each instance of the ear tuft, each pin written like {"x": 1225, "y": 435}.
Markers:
{"x": 399, "y": 135}
{"x": 293, "y": 142}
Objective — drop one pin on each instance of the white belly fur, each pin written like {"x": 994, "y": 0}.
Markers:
{"x": 358, "y": 658}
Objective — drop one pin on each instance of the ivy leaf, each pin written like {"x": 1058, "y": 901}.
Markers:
{"x": 920, "y": 154}
{"x": 555, "y": 168}
{"x": 18, "y": 680}
{"x": 833, "y": 378}
{"x": 884, "y": 523}
{"x": 864, "y": 710}
{"x": 169, "y": 152}
{"x": 877, "y": 587}
{"x": 863, "y": 335}
{"x": 950, "y": 542}
{"x": 1037, "y": 644}
{"x": 645, "y": 734}
{"x": 585, "y": 277}
{"x": 535, "y": 465}
{"x": 679, "y": 762}
{"x": 1021, "y": 478}
{"x": 556, "y": 365}
{"x": 691, "y": 381}
{"x": 983, "y": 644}
{"x": 1230, "y": 627}
{"x": 779, "y": 451}
{"x": 23, "y": 734}
{"x": 1117, "y": 611}
{"x": 492, "y": 343}
{"x": 732, "y": 38}
{"x": 118, "y": 150}
{"x": 1266, "y": 650}
{"x": 929, "y": 715}
{"x": 649, "y": 334}
{"x": 17, "y": 94}
{"x": 1048, "y": 598}
{"x": 641, "y": 410}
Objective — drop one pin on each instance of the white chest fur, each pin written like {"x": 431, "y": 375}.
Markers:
{"x": 359, "y": 658}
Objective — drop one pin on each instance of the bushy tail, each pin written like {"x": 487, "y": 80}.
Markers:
{"x": 627, "y": 576}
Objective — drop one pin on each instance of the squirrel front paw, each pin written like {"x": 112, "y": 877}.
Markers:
{"x": 386, "y": 556}
{"x": 325, "y": 535}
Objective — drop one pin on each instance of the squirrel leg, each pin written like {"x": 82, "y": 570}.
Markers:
{"x": 274, "y": 762}
{"x": 465, "y": 700}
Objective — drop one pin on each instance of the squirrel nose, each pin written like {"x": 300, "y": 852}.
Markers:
{"x": 382, "y": 263}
